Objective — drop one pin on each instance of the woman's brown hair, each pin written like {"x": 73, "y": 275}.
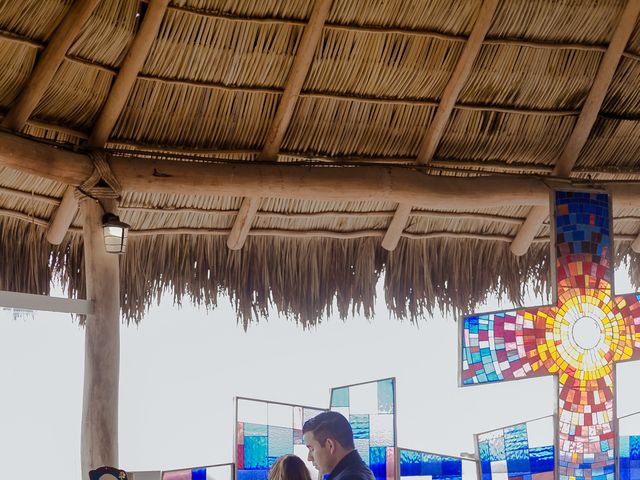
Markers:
{"x": 289, "y": 467}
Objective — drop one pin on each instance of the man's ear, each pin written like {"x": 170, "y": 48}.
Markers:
{"x": 331, "y": 445}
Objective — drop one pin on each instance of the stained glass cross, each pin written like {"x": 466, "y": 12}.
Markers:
{"x": 579, "y": 339}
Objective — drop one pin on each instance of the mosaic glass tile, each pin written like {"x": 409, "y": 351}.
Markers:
{"x": 258, "y": 445}
{"x": 578, "y": 338}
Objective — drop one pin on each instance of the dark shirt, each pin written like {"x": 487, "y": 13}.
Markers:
{"x": 351, "y": 467}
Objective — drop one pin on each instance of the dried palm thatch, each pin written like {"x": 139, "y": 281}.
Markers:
{"x": 209, "y": 89}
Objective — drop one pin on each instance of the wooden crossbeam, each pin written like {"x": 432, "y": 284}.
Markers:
{"x": 300, "y": 182}
{"x": 585, "y": 122}
{"x": 280, "y": 123}
{"x": 129, "y": 70}
{"x": 48, "y": 63}
{"x": 28, "y": 301}
{"x": 436, "y": 129}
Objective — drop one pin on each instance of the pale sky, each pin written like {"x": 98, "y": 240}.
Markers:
{"x": 181, "y": 368}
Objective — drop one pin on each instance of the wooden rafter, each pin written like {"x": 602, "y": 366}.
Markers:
{"x": 129, "y": 70}
{"x": 585, "y": 122}
{"x": 280, "y": 123}
{"x": 48, "y": 63}
{"x": 436, "y": 129}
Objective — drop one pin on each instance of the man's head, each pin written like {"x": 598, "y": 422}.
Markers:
{"x": 329, "y": 438}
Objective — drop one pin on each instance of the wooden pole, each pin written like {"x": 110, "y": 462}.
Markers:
{"x": 433, "y": 135}
{"x": 301, "y": 64}
{"x": 48, "y": 63}
{"x": 62, "y": 217}
{"x": 585, "y": 122}
{"x": 99, "y": 430}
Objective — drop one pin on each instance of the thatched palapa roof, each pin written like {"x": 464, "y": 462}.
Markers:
{"x": 462, "y": 88}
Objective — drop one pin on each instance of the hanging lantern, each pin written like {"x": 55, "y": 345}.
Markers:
{"x": 115, "y": 233}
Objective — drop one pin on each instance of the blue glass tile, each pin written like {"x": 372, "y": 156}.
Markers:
{"x": 634, "y": 447}
{"x": 378, "y": 461}
{"x": 409, "y": 463}
{"x": 541, "y": 459}
{"x": 255, "y": 453}
{"x": 252, "y": 474}
{"x": 451, "y": 467}
{"x": 340, "y": 397}
{"x": 199, "y": 474}
{"x": 255, "y": 430}
{"x": 280, "y": 441}
{"x": 484, "y": 450}
{"x": 385, "y": 396}
{"x": 359, "y": 425}
{"x": 496, "y": 449}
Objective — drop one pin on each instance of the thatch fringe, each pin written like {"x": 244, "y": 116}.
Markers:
{"x": 305, "y": 280}
{"x": 456, "y": 276}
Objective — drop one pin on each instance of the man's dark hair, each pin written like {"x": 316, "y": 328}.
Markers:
{"x": 330, "y": 425}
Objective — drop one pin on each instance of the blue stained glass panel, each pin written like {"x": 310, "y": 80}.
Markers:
{"x": 629, "y": 457}
{"x": 359, "y": 425}
{"x": 385, "y": 396}
{"x": 252, "y": 474}
{"x": 496, "y": 449}
{"x": 199, "y": 474}
{"x": 255, "y": 453}
{"x": 541, "y": 459}
{"x": 280, "y": 441}
{"x": 378, "y": 461}
{"x": 255, "y": 430}
{"x": 438, "y": 467}
{"x": 340, "y": 397}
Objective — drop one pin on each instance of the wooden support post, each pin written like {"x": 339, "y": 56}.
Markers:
{"x": 131, "y": 66}
{"x": 62, "y": 217}
{"x": 48, "y": 63}
{"x": 280, "y": 123}
{"x": 99, "y": 431}
{"x": 586, "y": 120}
{"x": 433, "y": 135}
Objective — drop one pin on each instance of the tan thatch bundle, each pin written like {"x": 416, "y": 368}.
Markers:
{"x": 209, "y": 89}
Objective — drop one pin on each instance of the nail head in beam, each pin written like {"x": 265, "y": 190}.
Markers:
{"x": 131, "y": 66}
{"x": 48, "y": 63}
{"x": 528, "y": 230}
{"x": 62, "y": 217}
{"x": 396, "y": 227}
{"x": 242, "y": 224}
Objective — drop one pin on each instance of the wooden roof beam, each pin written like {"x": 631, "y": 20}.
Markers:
{"x": 48, "y": 63}
{"x": 301, "y": 182}
{"x": 436, "y": 129}
{"x": 585, "y": 122}
{"x": 280, "y": 123}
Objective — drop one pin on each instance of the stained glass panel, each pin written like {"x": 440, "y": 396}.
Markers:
{"x": 521, "y": 451}
{"x": 416, "y": 465}
{"x": 266, "y": 431}
{"x": 578, "y": 338}
{"x": 370, "y": 409}
{"x": 213, "y": 472}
